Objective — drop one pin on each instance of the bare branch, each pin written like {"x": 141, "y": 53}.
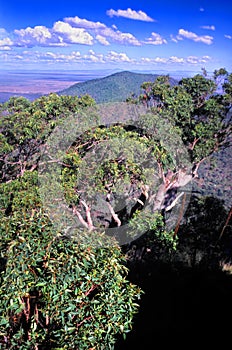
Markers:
{"x": 88, "y": 215}
{"x": 226, "y": 223}
{"x": 115, "y": 216}
{"x": 80, "y": 217}
{"x": 161, "y": 172}
{"x": 169, "y": 207}
{"x": 191, "y": 147}
{"x": 180, "y": 215}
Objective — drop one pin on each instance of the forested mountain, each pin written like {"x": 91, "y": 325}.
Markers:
{"x": 113, "y": 88}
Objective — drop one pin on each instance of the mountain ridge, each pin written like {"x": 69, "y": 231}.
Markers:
{"x": 112, "y": 88}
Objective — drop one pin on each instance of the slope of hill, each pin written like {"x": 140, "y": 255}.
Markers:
{"x": 113, "y": 88}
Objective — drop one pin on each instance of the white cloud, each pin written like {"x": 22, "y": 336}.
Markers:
{"x": 101, "y": 32}
{"x": 196, "y": 60}
{"x": 73, "y": 35}
{"x": 83, "y": 23}
{"x": 228, "y": 36}
{"x": 5, "y": 48}
{"x": 205, "y": 59}
{"x": 191, "y": 60}
{"x": 206, "y": 39}
{"x": 50, "y": 57}
{"x": 36, "y": 35}
{"x": 113, "y": 56}
{"x": 208, "y": 27}
{"x": 119, "y": 37}
{"x": 102, "y": 40}
{"x": 131, "y": 14}
{"x": 175, "y": 59}
{"x": 6, "y": 42}
{"x": 175, "y": 39}
{"x": 94, "y": 57}
{"x": 155, "y": 39}
{"x": 73, "y": 30}
{"x": 201, "y": 9}
{"x": 154, "y": 60}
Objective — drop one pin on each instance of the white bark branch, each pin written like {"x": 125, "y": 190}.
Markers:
{"x": 169, "y": 207}
{"x": 115, "y": 216}
{"x": 88, "y": 215}
{"x": 80, "y": 217}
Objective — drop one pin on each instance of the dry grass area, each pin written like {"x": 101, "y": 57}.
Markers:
{"x": 36, "y": 86}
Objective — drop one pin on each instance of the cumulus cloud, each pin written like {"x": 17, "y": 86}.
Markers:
{"x": 196, "y": 60}
{"x": 103, "y": 34}
{"x": 131, "y": 14}
{"x": 113, "y": 56}
{"x": 84, "y": 23}
{"x": 175, "y": 59}
{"x": 72, "y": 30}
{"x": 5, "y": 48}
{"x": 173, "y": 38}
{"x": 206, "y": 39}
{"x": 102, "y": 40}
{"x": 36, "y": 35}
{"x": 191, "y": 60}
{"x": 73, "y": 35}
{"x": 120, "y": 37}
{"x": 155, "y": 39}
{"x": 228, "y": 36}
{"x": 5, "y": 42}
{"x": 208, "y": 27}
{"x": 94, "y": 57}
{"x": 51, "y": 57}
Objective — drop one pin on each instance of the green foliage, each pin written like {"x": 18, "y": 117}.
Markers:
{"x": 55, "y": 291}
{"x": 194, "y": 108}
{"x": 199, "y": 88}
{"x": 153, "y": 224}
{"x": 127, "y": 166}
{"x": 25, "y": 126}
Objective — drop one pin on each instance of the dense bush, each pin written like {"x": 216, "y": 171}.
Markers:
{"x": 56, "y": 292}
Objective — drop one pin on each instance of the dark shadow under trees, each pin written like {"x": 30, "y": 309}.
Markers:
{"x": 187, "y": 294}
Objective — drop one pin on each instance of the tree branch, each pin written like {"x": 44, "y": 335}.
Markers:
{"x": 88, "y": 215}
{"x": 80, "y": 217}
{"x": 114, "y": 215}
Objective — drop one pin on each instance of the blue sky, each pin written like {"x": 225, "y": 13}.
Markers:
{"x": 133, "y": 35}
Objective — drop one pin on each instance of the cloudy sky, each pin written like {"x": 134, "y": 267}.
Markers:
{"x": 141, "y": 35}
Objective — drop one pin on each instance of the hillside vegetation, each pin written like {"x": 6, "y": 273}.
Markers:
{"x": 113, "y": 88}
{"x": 89, "y": 189}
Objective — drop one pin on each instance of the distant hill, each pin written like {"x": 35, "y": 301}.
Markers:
{"x": 113, "y": 88}
{"x": 4, "y": 96}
